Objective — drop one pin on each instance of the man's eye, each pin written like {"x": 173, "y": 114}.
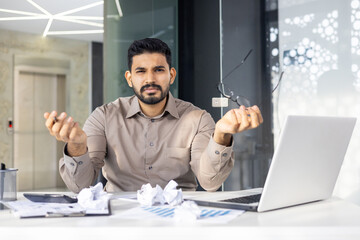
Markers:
{"x": 159, "y": 70}
{"x": 140, "y": 71}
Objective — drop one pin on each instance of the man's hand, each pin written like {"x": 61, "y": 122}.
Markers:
{"x": 66, "y": 130}
{"x": 235, "y": 121}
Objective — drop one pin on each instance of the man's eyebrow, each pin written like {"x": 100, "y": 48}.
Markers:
{"x": 140, "y": 68}
{"x": 159, "y": 66}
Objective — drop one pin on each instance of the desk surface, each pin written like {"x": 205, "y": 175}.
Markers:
{"x": 330, "y": 219}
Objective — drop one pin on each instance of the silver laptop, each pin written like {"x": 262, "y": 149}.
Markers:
{"x": 304, "y": 168}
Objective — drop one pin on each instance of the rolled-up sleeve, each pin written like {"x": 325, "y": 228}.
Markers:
{"x": 210, "y": 161}
{"x": 81, "y": 171}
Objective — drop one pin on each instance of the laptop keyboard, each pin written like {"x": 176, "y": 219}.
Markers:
{"x": 246, "y": 199}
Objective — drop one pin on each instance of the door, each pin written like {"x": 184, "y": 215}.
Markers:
{"x": 36, "y": 153}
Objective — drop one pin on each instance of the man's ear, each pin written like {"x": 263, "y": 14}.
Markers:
{"x": 172, "y": 75}
{"x": 128, "y": 78}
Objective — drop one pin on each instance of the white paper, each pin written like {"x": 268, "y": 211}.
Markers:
{"x": 91, "y": 200}
{"x": 130, "y": 197}
{"x": 187, "y": 211}
{"x": 167, "y": 212}
{"x": 26, "y": 208}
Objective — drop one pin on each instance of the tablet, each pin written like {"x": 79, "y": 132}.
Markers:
{"x": 50, "y": 198}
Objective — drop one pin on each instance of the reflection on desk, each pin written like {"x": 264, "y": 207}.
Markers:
{"x": 330, "y": 219}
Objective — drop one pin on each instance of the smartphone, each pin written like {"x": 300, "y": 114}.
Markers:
{"x": 50, "y": 198}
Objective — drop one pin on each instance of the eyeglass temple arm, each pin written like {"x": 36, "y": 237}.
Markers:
{"x": 241, "y": 63}
{"x": 281, "y": 75}
{"x": 221, "y": 90}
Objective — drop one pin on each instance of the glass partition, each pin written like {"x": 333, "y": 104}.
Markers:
{"x": 129, "y": 20}
{"x": 319, "y": 49}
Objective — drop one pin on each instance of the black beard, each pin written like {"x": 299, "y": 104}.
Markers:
{"x": 151, "y": 100}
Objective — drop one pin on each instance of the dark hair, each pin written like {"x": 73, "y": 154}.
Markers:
{"x": 148, "y": 45}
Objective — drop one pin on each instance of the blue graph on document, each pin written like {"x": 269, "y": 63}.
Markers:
{"x": 169, "y": 212}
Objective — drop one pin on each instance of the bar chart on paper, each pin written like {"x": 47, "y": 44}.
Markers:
{"x": 169, "y": 212}
{"x": 166, "y": 212}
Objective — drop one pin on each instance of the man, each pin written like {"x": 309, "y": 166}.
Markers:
{"x": 150, "y": 137}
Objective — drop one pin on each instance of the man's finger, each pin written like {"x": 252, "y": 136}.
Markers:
{"x": 49, "y": 122}
{"x": 66, "y": 129}
{"x": 46, "y": 115}
{"x": 74, "y": 131}
{"x": 58, "y": 125}
{"x": 238, "y": 116}
{"x": 257, "y": 110}
{"x": 244, "y": 119}
{"x": 238, "y": 112}
{"x": 254, "y": 118}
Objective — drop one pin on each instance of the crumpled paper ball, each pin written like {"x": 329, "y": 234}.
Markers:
{"x": 172, "y": 195}
{"x": 148, "y": 196}
{"x": 93, "y": 197}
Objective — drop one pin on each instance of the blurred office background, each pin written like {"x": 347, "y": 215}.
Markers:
{"x": 70, "y": 55}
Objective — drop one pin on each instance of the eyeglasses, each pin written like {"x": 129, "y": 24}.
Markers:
{"x": 241, "y": 63}
{"x": 240, "y": 100}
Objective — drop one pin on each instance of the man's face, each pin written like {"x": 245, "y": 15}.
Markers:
{"x": 150, "y": 77}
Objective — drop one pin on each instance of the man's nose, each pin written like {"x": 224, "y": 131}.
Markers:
{"x": 150, "y": 78}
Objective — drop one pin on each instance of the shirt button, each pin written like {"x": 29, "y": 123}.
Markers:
{"x": 80, "y": 162}
{"x": 72, "y": 164}
{"x": 151, "y": 144}
{"x": 217, "y": 152}
{"x": 224, "y": 154}
{"x": 152, "y": 120}
{"x": 150, "y": 167}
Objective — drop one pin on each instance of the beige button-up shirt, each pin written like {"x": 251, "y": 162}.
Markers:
{"x": 134, "y": 149}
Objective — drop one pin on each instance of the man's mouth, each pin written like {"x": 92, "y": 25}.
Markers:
{"x": 150, "y": 89}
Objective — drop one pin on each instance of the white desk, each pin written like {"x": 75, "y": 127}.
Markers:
{"x": 330, "y": 219}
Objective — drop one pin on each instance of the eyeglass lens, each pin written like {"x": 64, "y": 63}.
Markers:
{"x": 228, "y": 93}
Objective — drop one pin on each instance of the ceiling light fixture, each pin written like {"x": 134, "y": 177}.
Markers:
{"x": 39, "y": 7}
{"x": 79, "y": 21}
{"x": 119, "y": 8}
{"x": 23, "y": 18}
{"x": 85, "y": 18}
{"x": 18, "y": 12}
{"x": 47, "y": 27}
{"x": 63, "y": 16}
{"x": 80, "y": 8}
{"x": 75, "y": 32}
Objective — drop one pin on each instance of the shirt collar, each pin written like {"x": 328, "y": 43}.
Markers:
{"x": 170, "y": 107}
{"x": 134, "y": 107}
